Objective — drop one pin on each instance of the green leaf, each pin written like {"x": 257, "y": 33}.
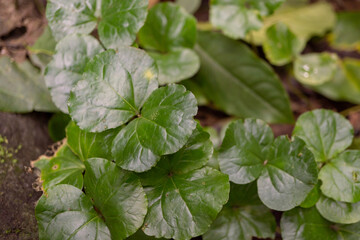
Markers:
{"x": 68, "y": 64}
{"x": 90, "y": 145}
{"x": 111, "y": 93}
{"x": 195, "y": 88}
{"x": 307, "y": 224}
{"x": 289, "y": 176}
{"x": 114, "y": 206}
{"x": 341, "y": 177}
{"x": 42, "y": 50}
{"x": 163, "y": 127}
{"x": 57, "y": 125}
{"x": 117, "y": 195}
{"x": 315, "y": 68}
{"x": 312, "y": 197}
{"x": 168, "y": 27}
{"x": 177, "y": 65}
{"x": 191, "y": 6}
{"x": 140, "y": 235}
{"x": 338, "y": 212}
{"x": 67, "y": 213}
{"x": 22, "y": 88}
{"x": 239, "y": 82}
{"x": 346, "y": 33}
{"x": 351, "y": 68}
{"x": 305, "y": 22}
{"x": 281, "y": 45}
{"x": 286, "y": 171}
{"x": 325, "y": 132}
{"x": 184, "y": 197}
{"x": 244, "y": 150}
{"x": 63, "y": 168}
{"x": 238, "y": 17}
{"x": 243, "y": 217}
{"x": 117, "y": 21}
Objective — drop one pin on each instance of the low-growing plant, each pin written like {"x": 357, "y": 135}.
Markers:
{"x": 136, "y": 164}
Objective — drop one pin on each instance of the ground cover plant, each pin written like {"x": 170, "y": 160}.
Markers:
{"x": 132, "y": 162}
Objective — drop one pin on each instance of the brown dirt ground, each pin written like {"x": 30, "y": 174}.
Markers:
{"x": 21, "y": 23}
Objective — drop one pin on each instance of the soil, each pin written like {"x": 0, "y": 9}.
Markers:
{"x": 21, "y": 23}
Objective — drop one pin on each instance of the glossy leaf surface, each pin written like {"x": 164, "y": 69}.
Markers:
{"x": 117, "y": 21}
{"x": 238, "y": 82}
{"x": 118, "y": 196}
{"x": 341, "y": 177}
{"x": 237, "y": 18}
{"x": 22, "y": 88}
{"x": 63, "y": 168}
{"x": 90, "y": 145}
{"x": 281, "y": 45}
{"x": 184, "y": 197}
{"x": 307, "y": 224}
{"x": 315, "y": 69}
{"x": 164, "y": 126}
{"x": 177, "y": 65}
{"x": 338, "y": 212}
{"x": 67, "y": 66}
{"x": 243, "y": 217}
{"x": 111, "y": 93}
{"x": 167, "y": 27}
{"x": 325, "y": 132}
{"x": 286, "y": 171}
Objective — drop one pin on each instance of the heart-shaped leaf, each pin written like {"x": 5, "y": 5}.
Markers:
{"x": 237, "y": 18}
{"x": 168, "y": 27}
{"x": 339, "y": 212}
{"x": 67, "y": 66}
{"x": 286, "y": 171}
{"x": 307, "y": 224}
{"x": 176, "y": 65}
{"x": 239, "y": 82}
{"x": 341, "y": 177}
{"x": 243, "y": 217}
{"x": 325, "y": 132}
{"x": 113, "y": 208}
{"x": 184, "y": 197}
{"x": 112, "y": 91}
{"x": 63, "y": 168}
{"x": 315, "y": 69}
{"x": 244, "y": 150}
{"x": 117, "y": 21}
{"x": 281, "y": 45}
{"x": 163, "y": 127}
{"x": 90, "y": 145}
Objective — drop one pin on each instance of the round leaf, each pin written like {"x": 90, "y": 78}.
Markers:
{"x": 244, "y": 150}
{"x": 67, "y": 66}
{"x": 339, "y": 212}
{"x": 341, "y": 177}
{"x": 168, "y": 26}
{"x": 65, "y": 212}
{"x": 281, "y": 45}
{"x": 89, "y": 145}
{"x": 117, "y": 196}
{"x": 325, "y": 132}
{"x": 243, "y": 218}
{"x": 177, "y": 65}
{"x": 164, "y": 126}
{"x": 289, "y": 176}
{"x": 315, "y": 69}
{"x": 117, "y": 21}
{"x": 111, "y": 93}
{"x": 63, "y": 168}
{"x": 182, "y": 206}
{"x": 307, "y": 224}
